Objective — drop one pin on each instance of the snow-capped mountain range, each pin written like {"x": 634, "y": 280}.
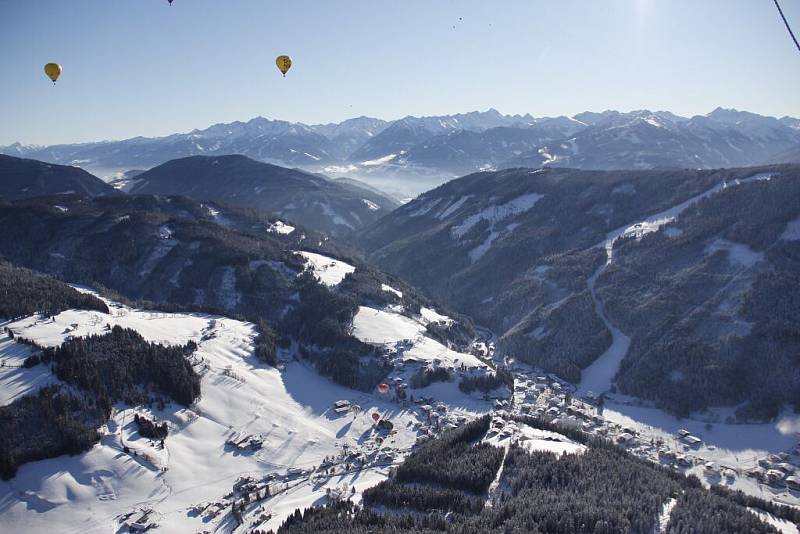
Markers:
{"x": 452, "y": 145}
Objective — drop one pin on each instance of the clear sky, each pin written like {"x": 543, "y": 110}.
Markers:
{"x": 141, "y": 67}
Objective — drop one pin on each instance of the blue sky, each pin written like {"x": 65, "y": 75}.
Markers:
{"x": 141, "y": 67}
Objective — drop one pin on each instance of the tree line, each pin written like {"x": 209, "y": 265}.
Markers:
{"x": 24, "y": 293}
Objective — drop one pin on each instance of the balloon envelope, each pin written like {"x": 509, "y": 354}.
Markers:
{"x": 53, "y": 71}
{"x": 284, "y": 63}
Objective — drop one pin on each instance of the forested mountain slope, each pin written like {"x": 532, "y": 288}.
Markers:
{"x": 25, "y": 178}
{"x": 184, "y": 254}
{"x": 566, "y": 265}
{"x": 329, "y": 206}
{"x": 24, "y": 292}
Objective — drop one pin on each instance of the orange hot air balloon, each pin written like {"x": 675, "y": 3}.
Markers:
{"x": 376, "y": 417}
{"x": 383, "y": 388}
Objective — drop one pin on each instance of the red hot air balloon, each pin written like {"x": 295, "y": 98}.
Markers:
{"x": 383, "y": 388}
{"x": 376, "y": 417}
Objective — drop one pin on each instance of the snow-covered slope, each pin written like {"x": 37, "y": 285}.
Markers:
{"x": 388, "y": 328}
{"x": 327, "y": 270}
{"x": 289, "y": 413}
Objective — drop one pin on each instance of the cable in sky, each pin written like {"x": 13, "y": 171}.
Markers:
{"x": 787, "y": 25}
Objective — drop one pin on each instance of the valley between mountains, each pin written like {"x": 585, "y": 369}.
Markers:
{"x": 181, "y": 355}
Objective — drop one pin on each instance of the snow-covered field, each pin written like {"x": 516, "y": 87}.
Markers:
{"x": 327, "y": 270}
{"x": 783, "y": 526}
{"x": 387, "y": 327}
{"x": 290, "y": 411}
{"x": 494, "y": 214}
{"x": 390, "y": 289}
{"x": 739, "y": 255}
{"x": 15, "y": 380}
{"x": 280, "y": 227}
{"x": 503, "y": 433}
{"x": 597, "y": 378}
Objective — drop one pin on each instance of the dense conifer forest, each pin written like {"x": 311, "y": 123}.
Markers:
{"x": 123, "y": 366}
{"x": 23, "y": 293}
{"x": 118, "y": 366}
{"x": 442, "y": 487}
{"x": 486, "y": 383}
{"x": 151, "y": 429}
{"x": 46, "y": 424}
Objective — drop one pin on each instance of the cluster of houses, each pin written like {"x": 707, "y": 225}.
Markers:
{"x": 341, "y": 492}
{"x": 246, "y": 490}
{"x": 777, "y": 471}
{"x": 437, "y": 417}
{"x": 548, "y": 398}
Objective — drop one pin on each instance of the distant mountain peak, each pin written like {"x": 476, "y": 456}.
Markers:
{"x": 429, "y": 146}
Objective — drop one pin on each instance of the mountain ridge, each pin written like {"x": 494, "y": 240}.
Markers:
{"x": 363, "y": 147}
{"x": 636, "y": 269}
{"x": 24, "y": 178}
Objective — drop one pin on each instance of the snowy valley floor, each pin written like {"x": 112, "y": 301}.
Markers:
{"x": 188, "y": 484}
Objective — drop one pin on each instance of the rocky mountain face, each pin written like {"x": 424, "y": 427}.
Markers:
{"x": 325, "y": 205}
{"x": 24, "y": 178}
{"x": 662, "y": 278}
{"x": 645, "y": 140}
{"x": 351, "y": 134}
{"x": 274, "y": 141}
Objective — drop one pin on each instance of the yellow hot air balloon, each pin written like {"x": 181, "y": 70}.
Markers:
{"x": 53, "y": 71}
{"x": 284, "y": 63}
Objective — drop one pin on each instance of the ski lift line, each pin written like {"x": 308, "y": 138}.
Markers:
{"x": 788, "y": 27}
